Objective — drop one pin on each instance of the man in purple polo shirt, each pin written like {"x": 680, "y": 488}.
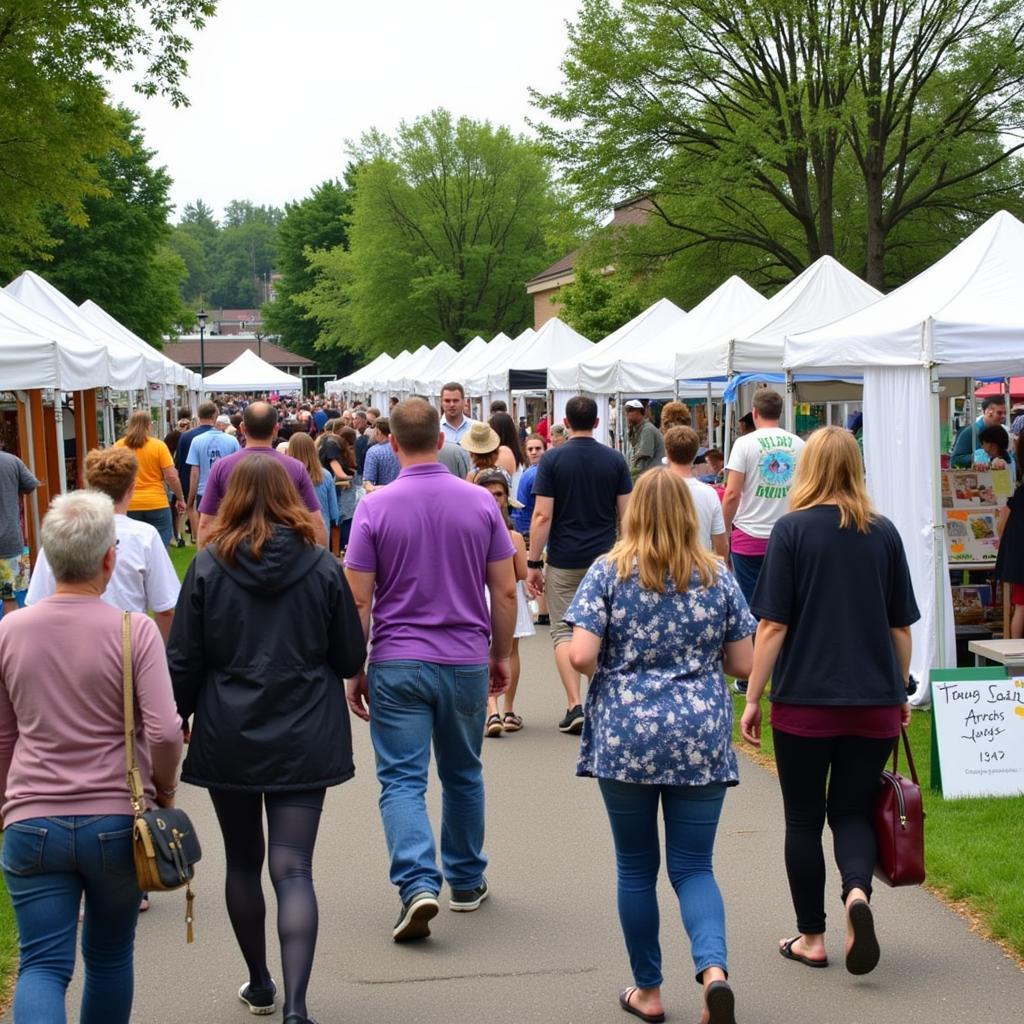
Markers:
{"x": 432, "y": 662}
{"x": 260, "y": 422}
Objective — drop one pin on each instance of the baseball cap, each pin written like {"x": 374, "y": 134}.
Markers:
{"x": 634, "y": 403}
{"x": 226, "y": 420}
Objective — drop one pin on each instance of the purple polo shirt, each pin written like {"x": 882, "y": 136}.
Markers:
{"x": 428, "y": 538}
{"x": 217, "y": 481}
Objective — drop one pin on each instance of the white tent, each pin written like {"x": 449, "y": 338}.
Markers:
{"x": 37, "y": 352}
{"x": 394, "y": 376}
{"x": 648, "y": 368}
{"x": 825, "y": 291}
{"x": 523, "y": 365}
{"x": 430, "y": 382}
{"x": 597, "y": 372}
{"x": 471, "y": 366}
{"x": 355, "y": 380}
{"x": 424, "y": 368}
{"x": 960, "y": 317}
{"x": 127, "y": 369}
{"x": 250, "y": 373}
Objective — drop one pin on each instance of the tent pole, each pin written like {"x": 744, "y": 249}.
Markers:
{"x": 28, "y": 452}
{"x": 619, "y": 416}
{"x": 938, "y": 524}
{"x": 58, "y": 431}
{"x": 726, "y": 427}
{"x": 710, "y": 414}
{"x": 790, "y": 418}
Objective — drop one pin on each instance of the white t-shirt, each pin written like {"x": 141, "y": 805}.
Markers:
{"x": 709, "y": 510}
{"x": 144, "y": 578}
{"x": 767, "y": 459}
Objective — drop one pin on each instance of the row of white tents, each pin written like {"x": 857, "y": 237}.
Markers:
{"x": 958, "y": 321}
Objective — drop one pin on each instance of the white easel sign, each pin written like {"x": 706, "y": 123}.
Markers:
{"x": 979, "y": 729}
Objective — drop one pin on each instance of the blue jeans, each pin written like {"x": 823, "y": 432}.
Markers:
{"x": 412, "y": 703}
{"x": 691, "y": 820}
{"x": 746, "y": 569}
{"x": 48, "y": 864}
{"x": 160, "y": 519}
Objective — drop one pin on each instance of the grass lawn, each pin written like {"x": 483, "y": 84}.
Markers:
{"x": 972, "y": 847}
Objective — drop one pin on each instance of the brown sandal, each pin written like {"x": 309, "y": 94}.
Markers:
{"x": 511, "y": 722}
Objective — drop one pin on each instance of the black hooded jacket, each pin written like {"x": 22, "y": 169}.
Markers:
{"x": 258, "y": 654}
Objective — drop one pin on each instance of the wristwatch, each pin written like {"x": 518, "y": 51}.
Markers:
{"x": 535, "y": 564}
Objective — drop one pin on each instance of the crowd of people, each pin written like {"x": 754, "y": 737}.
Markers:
{"x": 661, "y": 578}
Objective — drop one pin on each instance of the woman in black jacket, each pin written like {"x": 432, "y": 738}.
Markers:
{"x": 265, "y": 691}
{"x": 835, "y": 605}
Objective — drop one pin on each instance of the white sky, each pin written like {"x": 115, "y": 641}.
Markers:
{"x": 277, "y": 87}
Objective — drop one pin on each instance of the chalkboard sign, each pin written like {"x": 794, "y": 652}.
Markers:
{"x": 978, "y": 717}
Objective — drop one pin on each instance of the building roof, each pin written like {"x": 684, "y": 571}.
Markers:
{"x": 559, "y": 269}
{"x": 221, "y": 350}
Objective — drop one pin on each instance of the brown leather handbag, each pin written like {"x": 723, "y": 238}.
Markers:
{"x": 899, "y": 823}
{"x": 164, "y": 842}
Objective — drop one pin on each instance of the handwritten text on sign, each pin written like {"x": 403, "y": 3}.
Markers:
{"x": 980, "y": 729}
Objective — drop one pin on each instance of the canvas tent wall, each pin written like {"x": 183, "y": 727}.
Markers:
{"x": 959, "y": 318}
{"x": 430, "y": 382}
{"x": 432, "y": 361}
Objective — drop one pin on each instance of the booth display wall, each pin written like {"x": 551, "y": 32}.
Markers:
{"x": 561, "y": 399}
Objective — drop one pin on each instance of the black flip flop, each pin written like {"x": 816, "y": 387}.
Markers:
{"x": 721, "y": 1003}
{"x": 652, "y": 1018}
{"x": 786, "y": 949}
{"x": 864, "y": 954}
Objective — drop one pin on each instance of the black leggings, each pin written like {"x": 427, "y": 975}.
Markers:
{"x": 834, "y": 777}
{"x": 292, "y": 823}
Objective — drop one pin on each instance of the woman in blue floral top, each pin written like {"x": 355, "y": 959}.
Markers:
{"x": 658, "y": 725}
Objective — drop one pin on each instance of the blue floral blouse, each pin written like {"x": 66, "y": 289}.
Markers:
{"x": 658, "y": 709}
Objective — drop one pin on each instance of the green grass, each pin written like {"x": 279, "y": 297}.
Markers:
{"x": 182, "y": 559}
{"x": 972, "y": 846}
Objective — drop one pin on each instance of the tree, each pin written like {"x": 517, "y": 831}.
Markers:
{"x": 245, "y": 251}
{"x": 772, "y": 106}
{"x": 449, "y": 219}
{"x": 312, "y": 225}
{"x": 120, "y": 258}
{"x": 54, "y": 120}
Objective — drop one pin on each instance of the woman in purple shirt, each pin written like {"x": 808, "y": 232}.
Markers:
{"x": 67, "y": 812}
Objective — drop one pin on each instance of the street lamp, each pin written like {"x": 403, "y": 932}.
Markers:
{"x": 201, "y": 318}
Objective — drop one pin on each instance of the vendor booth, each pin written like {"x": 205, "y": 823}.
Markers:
{"x": 250, "y": 373}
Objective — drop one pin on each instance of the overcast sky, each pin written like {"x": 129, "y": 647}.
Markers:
{"x": 277, "y": 87}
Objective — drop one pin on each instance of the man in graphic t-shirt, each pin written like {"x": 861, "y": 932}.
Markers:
{"x": 760, "y": 473}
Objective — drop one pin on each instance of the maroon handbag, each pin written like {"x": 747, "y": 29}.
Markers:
{"x": 899, "y": 823}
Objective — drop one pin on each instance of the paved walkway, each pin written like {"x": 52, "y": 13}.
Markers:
{"x": 546, "y": 947}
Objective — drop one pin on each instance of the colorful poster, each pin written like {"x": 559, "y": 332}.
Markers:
{"x": 979, "y": 729}
{"x": 971, "y": 535}
{"x": 975, "y": 488}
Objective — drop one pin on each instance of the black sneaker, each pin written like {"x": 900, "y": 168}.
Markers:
{"x": 181, "y": 542}
{"x": 739, "y": 686}
{"x": 294, "y": 1018}
{"x": 544, "y": 620}
{"x": 465, "y": 900}
{"x": 573, "y": 721}
{"x": 259, "y": 1000}
{"x": 414, "y": 920}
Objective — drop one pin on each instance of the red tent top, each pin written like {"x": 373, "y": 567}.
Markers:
{"x": 998, "y": 388}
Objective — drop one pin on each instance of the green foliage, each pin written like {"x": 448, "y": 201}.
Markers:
{"x": 312, "y": 225}
{"x": 245, "y": 254}
{"x": 120, "y": 258}
{"x": 194, "y": 239}
{"x": 54, "y": 121}
{"x": 596, "y": 304}
{"x": 793, "y": 128}
{"x": 448, "y": 220}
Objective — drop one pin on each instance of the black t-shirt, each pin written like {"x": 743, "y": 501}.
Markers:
{"x": 181, "y": 452}
{"x": 585, "y": 478}
{"x": 330, "y": 450}
{"x": 839, "y": 592}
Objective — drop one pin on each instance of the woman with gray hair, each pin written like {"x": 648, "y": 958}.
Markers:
{"x": 66, "y": 811}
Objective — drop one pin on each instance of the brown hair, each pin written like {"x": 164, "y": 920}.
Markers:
{"x": 112, "y": 471}
{"x": 674, "y": 414}
{"x": 661, "y": 537}
{"x": 505, "y": 427}
{"x": 768, "y": 404}
{"x": 136, "y": 434}
{"x": 302, "y": 447}
{"x": 416, "y": 426}
{"x": 260, "y": 496}
{"x": 454, "y": 385}
{"x": 681, "y": 444}
{"x": 830, "y": 471}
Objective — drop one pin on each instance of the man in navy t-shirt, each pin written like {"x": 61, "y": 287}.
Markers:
{"x": 580, "y": 492}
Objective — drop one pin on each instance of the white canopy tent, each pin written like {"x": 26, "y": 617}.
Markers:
{"x": 127, "y": 369}
{"x": 424, "y": 368}
{"x": 250, "y": 373}
{"x": 394, "y": 376}
{"x": 959, "y": 318}
{"x": 355, "y": 381}
{"x": 430, "y": 382}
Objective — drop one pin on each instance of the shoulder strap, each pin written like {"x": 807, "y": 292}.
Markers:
{"x": 135, "y": 787}
{"x": 910, "y": 756}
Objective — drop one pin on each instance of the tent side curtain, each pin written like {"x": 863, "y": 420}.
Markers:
{"x": 527, "y": 380}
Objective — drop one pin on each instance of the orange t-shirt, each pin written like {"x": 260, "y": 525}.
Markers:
{"x": 150, "y": 489}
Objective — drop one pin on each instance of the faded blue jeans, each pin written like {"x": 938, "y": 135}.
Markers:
{"x": 48, "y": 864}
{"x": 691, "y": 819}
{"x": 414, "y": 703}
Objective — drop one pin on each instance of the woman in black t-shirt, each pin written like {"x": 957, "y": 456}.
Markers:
{"x": 836, "y": 603}
{"x": 1010, "y": 562}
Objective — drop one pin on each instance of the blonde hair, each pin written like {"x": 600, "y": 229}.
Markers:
{"x": 830, "y": 471}
{"x": 136, "y": 434}
{"x": 302, "y": 447}
{"x": 661, "y": 536}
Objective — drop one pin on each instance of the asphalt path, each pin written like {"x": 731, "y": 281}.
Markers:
{"x": 546, "y": 947}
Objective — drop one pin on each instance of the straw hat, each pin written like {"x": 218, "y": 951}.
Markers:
{"x": 481, "y": 438}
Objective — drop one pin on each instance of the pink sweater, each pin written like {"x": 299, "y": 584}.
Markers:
{"x": 61, "y": 710}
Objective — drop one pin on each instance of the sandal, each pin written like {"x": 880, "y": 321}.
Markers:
{"x": 493, "y": 727}
{"x": 624, "y": 1001}
{"x": 864, "y": 954}
{"x": 786, "y": 950}
{"x": 511, "y": 722}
